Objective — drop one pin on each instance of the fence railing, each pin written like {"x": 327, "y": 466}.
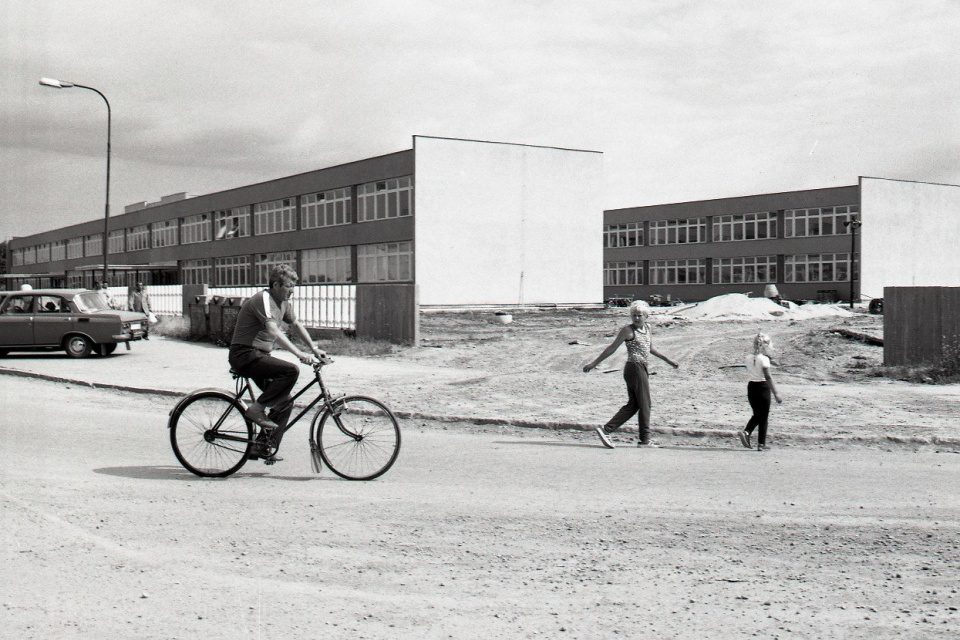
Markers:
{"x": 164, "y": 300}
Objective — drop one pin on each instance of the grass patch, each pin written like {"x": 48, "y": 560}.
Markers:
{"x": 172, "y": 327}
{"x": 359, "y": 347}
{"x": 947, "y": 371}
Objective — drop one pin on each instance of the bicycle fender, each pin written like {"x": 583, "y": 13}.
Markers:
{"x": 189, "y": 396}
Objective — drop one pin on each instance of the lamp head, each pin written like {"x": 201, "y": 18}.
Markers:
{"x": 56, "y": 84}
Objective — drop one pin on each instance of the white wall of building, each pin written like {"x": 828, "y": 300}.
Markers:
{"x": 507, "y": 224}
{"x": 910, "y": 235}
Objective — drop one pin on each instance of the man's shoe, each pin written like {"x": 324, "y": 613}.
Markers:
{"x": 647, "y": 445}
{"x": 259, "y": 416}
{"x": 744, "y": 438}
{"x": 603, "y": 438}
{"x": 761, "y": 447}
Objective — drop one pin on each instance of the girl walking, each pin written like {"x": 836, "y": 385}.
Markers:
{"x": 637, "y": 337}
{"x": 758, "y": 391}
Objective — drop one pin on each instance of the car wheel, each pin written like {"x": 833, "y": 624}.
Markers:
{"x": 106, "y": 349}
{"x": 78, "y": 347}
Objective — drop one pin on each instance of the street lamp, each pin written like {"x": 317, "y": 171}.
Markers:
{"x": 853, "y": 224}
{"x": 62, "y": 84}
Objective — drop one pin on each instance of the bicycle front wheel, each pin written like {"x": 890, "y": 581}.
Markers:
{"x": 209, "y": 434}
{"x": 359, "y": 439}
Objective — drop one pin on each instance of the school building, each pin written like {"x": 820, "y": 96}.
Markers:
{"x": 470, "y": 223}
{"x": 485, "y": 224}
{"x": 904, "y": 233}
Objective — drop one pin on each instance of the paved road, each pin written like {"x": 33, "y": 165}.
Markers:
{"x": 474, "y": 533}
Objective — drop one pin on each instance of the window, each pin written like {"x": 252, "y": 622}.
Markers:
{"x": 138, "y": 238}
{"x": 29, "y": 255}
{"x": 384, "y": 199}
{"x": 52, "y": 304}
{"x": 688, "y": 231}
{"x": 326, "y": 265}
{"x": 822, "y": 221}
{"x": 20, "y": 303}
{"x": 817, "y": 267}
{"x": 197, "y": 271}
{"x": 745, "y": 226}
{"x": 619, "y": 273}
{"x": 629, "y": 234}
{"x": 43, "y": 252}
{"x": 744, "y": 270}
{"x": 233, "y": 223}
{"x": 165, "y": 233}
{"x": 17, "y": 257}
{"x": 275, "y": 217}
{"x": 326, "y": 209}
{"x": 266, "y": 261}
{"x": 58, "y": 251}
{"x": 233, "y": 271}
{"x": 387, "y": 262}
{"x": 75, "y": 248}
{"x": 678, "y": 272}
{"x": 93, "y": 245}
{"x": 116, "y": 241}
{"x": 194, "y": 229}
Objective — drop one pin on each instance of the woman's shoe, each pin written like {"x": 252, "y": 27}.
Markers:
{"x": 744, "y": 438}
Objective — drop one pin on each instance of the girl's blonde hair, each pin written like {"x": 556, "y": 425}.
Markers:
{"x": 639, "y": 306}
{"x": 761, "y": 343}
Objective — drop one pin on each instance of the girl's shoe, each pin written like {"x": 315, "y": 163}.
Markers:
{"x": 744, "y": 438}
{"x": 761, "y": 447}
{"x": 603, "y": 438}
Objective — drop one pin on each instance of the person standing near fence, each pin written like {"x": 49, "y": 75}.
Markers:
{"x": 638, "y": 338}
{"x": 138, "y": 300}
{"x": 759, "y": 389}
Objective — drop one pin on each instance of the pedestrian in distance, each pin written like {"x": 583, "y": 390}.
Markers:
{"x": 637, "y": 336}
{"x": 759, "y": 388}
{"x": 138, "y": 300}
{"x": 103, "y": 288}
{"x": 256, "y": 334}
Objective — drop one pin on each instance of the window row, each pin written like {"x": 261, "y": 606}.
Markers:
{"x": 818, "y": 267}
{"x": 385, "y": 262}
{"x": 378, "y": 200}
{"x": 762, "y": 225}
{"x": 822, "y": 221}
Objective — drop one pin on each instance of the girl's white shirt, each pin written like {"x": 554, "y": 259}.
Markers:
{"x": 755, "y": 366}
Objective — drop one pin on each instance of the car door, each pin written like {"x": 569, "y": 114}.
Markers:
{"x": 51, "y": 320}
{"x": 16, "y": 320}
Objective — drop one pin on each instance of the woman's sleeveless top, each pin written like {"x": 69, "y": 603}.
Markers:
{"x": 638, "y": 349}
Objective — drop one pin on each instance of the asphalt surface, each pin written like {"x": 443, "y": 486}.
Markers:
{"x": 476, "y": 532}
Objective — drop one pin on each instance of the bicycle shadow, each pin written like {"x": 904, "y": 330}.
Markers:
{"x": 172, "y": 472}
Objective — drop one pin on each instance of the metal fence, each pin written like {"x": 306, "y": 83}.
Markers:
{"x": 164, "y": 300}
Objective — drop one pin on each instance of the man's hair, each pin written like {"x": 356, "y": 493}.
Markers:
{"x": 282, "y": 272}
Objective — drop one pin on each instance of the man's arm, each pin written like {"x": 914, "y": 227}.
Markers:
{"x": 305, "y": 336}
{"x": 305, "y": 358}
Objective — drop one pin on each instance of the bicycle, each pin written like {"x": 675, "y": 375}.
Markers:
{"x": 212, "y": 438}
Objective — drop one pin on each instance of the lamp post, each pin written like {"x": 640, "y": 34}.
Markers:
{"x": 62, "y": 84}
{"x": 853, "y": 224}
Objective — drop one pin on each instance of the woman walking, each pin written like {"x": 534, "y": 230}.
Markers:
{"x": 758, "y": 391}
{"x": 637, "y": 337}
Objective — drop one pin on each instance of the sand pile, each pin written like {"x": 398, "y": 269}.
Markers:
{"x": 738, "y": 306}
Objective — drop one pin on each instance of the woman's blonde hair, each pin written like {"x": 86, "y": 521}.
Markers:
{"x": 761, "y": 343}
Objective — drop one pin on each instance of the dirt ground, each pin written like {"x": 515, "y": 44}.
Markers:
{"x": 847, "y": 528}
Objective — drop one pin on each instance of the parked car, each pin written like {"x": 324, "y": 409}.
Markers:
{"x": 78, "y": 321}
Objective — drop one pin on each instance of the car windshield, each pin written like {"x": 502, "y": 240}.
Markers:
{"x": 91, "y": 301}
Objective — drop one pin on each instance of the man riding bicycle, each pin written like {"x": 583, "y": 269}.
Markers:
{"x": 256, "y": 334}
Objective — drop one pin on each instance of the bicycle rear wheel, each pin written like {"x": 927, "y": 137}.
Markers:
{"x": 209, "y": 434}
{"x": 359, "y": 439}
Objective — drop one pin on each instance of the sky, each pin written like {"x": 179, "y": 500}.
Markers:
{"x": 687, "y": 100}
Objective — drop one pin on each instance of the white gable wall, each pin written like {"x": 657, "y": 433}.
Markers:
{"x": 505, "y": 224}
{"x": 910, "y": 235}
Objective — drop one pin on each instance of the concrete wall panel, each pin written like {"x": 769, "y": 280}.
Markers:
{"x": 504, "y": 224}
{"x": 910, "y": 235}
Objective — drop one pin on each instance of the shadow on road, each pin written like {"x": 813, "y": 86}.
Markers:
{"x": 590, "y": 445}
{"x": 170, "y": 472}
